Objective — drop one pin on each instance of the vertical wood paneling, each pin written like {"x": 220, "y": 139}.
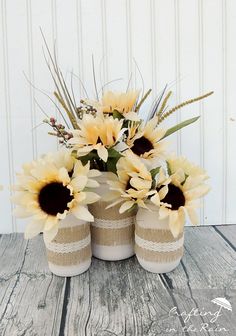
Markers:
{"x": 93, "y": 41}
{"x": 165, "y": 47}
{"x": 213, "y": 145}
{"x": 188, "y": 44}
{"x": 42, "y": 17}
{"x": 189, "y": 85}
{"x": 116, "y": 37}
{"x": 19, "y": 93}
{"x": 141, "y": 46}
{"x": 229, "y": 112}
{"x": 5, "y": 129}
{"x": 69, "y": 60}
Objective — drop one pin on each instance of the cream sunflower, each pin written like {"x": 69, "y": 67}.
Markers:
{"x": 97, "y": 133}
{"x": 123, "y": 102}
{"x": 145, "y": 141}
{"x": 132, "y": 185}
{"x": 47, "y": 193}
{"x": 177, "y": 194}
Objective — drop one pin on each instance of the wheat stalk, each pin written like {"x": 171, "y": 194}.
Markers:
{"x": 187, "y": 102}
{"x": 70, "y": 115}
{"x": 163, "y": 105}
{"x": 143, "y": 100}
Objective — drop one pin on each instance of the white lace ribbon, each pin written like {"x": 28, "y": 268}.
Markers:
{"x": 69, "y": 247}
{"x": 113, "y": 224}
{"x": 159, "y": 247}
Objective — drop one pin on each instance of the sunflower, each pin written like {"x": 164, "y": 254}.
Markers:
{"x": 47, "y": 192}
{"x": 177, "y": 194}
{"x": 132, "y": 185}
{"x": 97, "y": 133}
{"x": 145, "y": 141}
{"x": 123, "y": 102}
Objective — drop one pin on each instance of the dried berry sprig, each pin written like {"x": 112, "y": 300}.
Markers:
{"x": 59, "y": 131}
{"x": 85, "y": 108}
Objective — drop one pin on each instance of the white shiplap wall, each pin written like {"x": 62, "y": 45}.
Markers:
{"x": 189, "y": 43}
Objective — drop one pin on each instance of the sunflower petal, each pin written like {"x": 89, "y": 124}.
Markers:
{"x": 33, "y": 228}
{"x": 192, "y": 215}
{"x": 125, "y": 206}
{"x": 82, "y": 212}
{"x": 163, "y": 212}
{"x": 79, "y": 182}
{"x": 50, "y": 222}
{"x": 20, "y": 212}
{"x": 91, "y": 197}
{"x": 102, "y": 153}
{"x": 156, "y": 199}
{"x": 49, "y": 235}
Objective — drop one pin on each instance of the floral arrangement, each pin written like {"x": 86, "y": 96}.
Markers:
{"x": 107, "y": 137}
{"x": 109, "y": 133}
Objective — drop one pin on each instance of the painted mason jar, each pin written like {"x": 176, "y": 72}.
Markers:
{"x": 112, "y": 233}
{"x": 156, "y": 248}
{"x": 69, "y": 253}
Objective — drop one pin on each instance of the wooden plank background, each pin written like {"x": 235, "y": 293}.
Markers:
{"x": 190, "y": 44}
{"x": 118, "y": 298}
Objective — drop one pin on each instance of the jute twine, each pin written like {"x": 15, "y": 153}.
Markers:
{"x": 158, "y": 245}
{"x": 110, "y": 228}
{"x": 71, "y": 246}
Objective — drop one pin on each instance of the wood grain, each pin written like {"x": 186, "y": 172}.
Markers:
{"x": 228, "y": 234}
{"x": 31, "y": 297}
{"x": 118, "y": 298}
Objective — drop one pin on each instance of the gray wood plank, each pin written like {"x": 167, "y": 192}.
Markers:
{"x": 9, "y": 268}
{"x": 207, "y": 271}
{"x": 120, "y": 298}
{"x": 228, "y": 233}
{"x": 34, "y": 305}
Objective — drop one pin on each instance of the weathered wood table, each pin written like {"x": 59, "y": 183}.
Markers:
{"x": 120, "y": 298}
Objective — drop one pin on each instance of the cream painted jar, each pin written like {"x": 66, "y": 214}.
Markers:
{"x": 112, "y": 233}
{"x": 69, "y": 253}
{"x": 156, "y": 249}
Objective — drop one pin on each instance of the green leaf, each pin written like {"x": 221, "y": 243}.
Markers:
{"x": 179, "y": 126}
{"x": 154, "y": 172}
{"x": 168, "y": 168}
{"x": 112, "y": 153}
{"x": 117, "y": 115}
{"x": 111, "y": 164}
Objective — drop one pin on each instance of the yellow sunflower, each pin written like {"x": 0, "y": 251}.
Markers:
{"x": 97, "y": 133}
{"x": 145, "y": 141}
{"x": 47, "y": 193}
{"x": 177, "y": 194}
{"x": 132, "y": 185}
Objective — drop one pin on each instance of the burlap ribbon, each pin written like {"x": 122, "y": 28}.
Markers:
{"x": 110, "y": 228}
{"x": 65, "y": 238}
{"x": 160, "y": 238}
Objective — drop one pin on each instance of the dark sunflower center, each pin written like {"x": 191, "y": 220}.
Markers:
{"x": 142, "y": 145}
{"x": 174, "y": 197}
{"x": 53, "y": 198}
